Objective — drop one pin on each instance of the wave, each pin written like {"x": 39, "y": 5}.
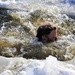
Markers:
{"x": 21, "y": 66}
{"x": 7, "y": 3}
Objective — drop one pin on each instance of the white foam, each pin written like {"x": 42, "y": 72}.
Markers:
{"x": 4, "y": 62}
{"x": 50, "y": 66}
{"x": 7, "y": 3}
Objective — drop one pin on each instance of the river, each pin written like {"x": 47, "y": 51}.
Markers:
{"x": 20, "y": 53}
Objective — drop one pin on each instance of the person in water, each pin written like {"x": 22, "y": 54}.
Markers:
{"x": 47, "y": 32}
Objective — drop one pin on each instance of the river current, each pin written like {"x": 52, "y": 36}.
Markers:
{"x": 19, "y": 20}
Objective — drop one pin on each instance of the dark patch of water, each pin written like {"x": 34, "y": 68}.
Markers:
{"x": 71, "y": 2}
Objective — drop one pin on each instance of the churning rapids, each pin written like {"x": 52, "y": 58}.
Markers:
{"x": 20, "y": 53}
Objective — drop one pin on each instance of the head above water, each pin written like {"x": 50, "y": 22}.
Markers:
{"x": 47, "y": 32}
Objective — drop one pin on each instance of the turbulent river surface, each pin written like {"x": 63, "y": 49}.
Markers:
{"x": 21, "y": 53}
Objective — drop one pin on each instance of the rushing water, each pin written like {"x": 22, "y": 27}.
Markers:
{"x": 19, "y": 20}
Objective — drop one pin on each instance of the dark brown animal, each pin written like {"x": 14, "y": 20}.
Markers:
{"x": 47, "y": 32}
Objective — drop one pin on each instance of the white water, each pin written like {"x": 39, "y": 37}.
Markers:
{"x": 5, "y": 3}
{"x": 49, "y": 66}
{"x": 21, "y": 66}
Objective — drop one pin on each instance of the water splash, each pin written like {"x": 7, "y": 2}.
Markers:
{"x": 21, "y": 66}
{"x": 26, "y": 18}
